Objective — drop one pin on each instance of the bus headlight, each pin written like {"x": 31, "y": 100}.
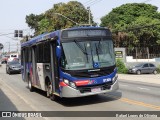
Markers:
{"x": 114, "y": 78}
{"x": 66, "y": 81}
{"x": 71, "y": 84}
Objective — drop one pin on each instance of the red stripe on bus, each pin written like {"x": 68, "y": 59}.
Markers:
{"x": 62, "y": 84}
{"x": 82, "y": 82}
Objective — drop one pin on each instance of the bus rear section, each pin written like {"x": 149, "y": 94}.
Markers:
{"x": 80, "y": 62}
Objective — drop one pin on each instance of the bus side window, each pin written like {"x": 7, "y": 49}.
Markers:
{"x": 46, "y": 53}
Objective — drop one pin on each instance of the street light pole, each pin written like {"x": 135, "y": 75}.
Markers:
{"x": 66, "y": 18}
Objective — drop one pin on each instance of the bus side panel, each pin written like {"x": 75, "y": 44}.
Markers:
{"x": 46, "y": 72}
{"x": 40, "y": 77}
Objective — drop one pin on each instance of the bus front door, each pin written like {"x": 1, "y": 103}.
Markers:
{"x": 54, "y": 68}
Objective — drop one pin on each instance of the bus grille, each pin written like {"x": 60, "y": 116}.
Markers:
{"x": 84, "y": 89}
{"x": 93, "y": 74}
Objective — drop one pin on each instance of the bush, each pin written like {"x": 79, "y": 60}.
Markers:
{"x": 121, "y": 66}
{"x": 158, "y": 70}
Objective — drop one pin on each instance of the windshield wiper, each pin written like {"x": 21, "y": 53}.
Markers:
{"x": 86, "y": 52}
{"x": 99, "y": 44}
{"x": 97, "y": 51}
{"x": 81, "y": 48}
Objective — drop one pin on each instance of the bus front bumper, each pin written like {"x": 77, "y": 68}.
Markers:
{"x": 69, "y": 92}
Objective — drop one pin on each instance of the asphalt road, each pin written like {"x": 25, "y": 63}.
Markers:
{"x": 132, "y": 96}
{"x": 147, "y": 93}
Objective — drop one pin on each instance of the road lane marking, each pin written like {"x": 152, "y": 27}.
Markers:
{"x": 140, "y": 103}
{"x": 19, "y": 95}
{"x": 143, "y": 88}
{"x": 22, "y": 98}
{"x": 126, "y": 100}
{"x": 123, "y": 85}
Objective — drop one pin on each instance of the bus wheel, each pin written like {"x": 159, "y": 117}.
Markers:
{"x": 53, "y": 97}
{"x": 30, "y": 84}
{"x": 48, "y": 88}
{"x": 50, "y": 93}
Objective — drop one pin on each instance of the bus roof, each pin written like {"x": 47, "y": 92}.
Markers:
{"x": 39, "y": 38}
{"x": 45, "y": 36}
{"x": 85, "y": 27}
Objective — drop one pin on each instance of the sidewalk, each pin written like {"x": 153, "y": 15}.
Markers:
{"x": 148, "y": 78}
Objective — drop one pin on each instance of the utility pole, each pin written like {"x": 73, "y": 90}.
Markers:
{"x": 17, "y": 47}
{"x": 89, "y": 15}
{"x": 3, "y": 50}
{"x": 8, "y": 47}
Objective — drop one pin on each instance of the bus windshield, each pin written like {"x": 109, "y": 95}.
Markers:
{"x": 78, "y": 55}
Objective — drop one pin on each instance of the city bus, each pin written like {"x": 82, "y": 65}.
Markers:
{"x": 72, "y": 62}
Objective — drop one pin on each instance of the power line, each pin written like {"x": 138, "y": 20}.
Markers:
{"x": 95, "y": 2}
{"x": 88, "y": 1}
{"x": 11, "y": 38}
{"x": 92, "y": 2}
{"x": 146, "y": 1}
{"x": 4, "y": 34}
{"x": 25, "y": 29}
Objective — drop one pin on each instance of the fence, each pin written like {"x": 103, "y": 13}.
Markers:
{"x": 144, "y": 52}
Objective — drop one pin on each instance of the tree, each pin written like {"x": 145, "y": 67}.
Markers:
{"x": 32, "y": 21}
{"x": 49, "y": 21}
{"x": 135, "y": 24}
{"x": 43, "y": 25}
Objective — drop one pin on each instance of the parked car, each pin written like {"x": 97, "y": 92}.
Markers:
{"x": 4, "y": 60}
{"x": 13, "y": 67}
{"x": 143, "y": 68}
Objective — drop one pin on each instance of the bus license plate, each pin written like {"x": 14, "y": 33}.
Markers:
{"x": 95, "y": 89}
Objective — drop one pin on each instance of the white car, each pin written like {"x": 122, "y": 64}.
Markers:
{"x": 12, "y": 57}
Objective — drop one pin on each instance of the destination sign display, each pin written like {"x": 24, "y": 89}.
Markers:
{"x": 85, "y": 33}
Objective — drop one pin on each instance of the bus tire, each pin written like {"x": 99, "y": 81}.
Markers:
{"x": 53, "y": 97}
{"x": 47, "y": 86}
{"x": 49, "y": 92}
{"x": 30, "y": 87}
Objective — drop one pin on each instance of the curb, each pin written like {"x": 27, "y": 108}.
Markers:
{"x": 145, "y": 78}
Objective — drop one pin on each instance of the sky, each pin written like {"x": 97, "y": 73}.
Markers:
{"x": 13, "y": 13}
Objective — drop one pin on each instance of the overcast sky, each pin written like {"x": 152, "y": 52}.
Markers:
{"x": 13, "y": 12}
